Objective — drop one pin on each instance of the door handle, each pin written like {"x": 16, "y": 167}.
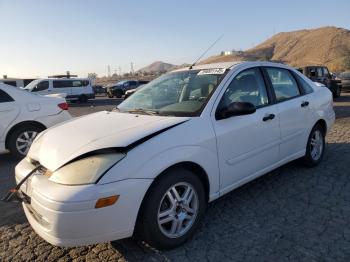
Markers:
{"x": 268, "y": 117}
{"x": 304, "y": 104}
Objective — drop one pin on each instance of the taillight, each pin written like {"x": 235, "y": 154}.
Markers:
{"x": 63, "y": 106}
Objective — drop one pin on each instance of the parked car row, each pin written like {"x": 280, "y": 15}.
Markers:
{"x": 73, "y": 88}
{"x": 119, "y": 89}
{"x": 150, "y": 167}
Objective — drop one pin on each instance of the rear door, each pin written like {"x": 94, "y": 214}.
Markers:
{"x": 293, "y": 106}
{"x": 8, "y": 111}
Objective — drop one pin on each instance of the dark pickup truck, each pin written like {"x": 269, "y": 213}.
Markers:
{"x": 119, "y": 89}
{"x": 321, "y": 75}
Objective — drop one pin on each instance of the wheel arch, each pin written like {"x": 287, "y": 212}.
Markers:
{"x": 323, "y": 124}
{"x": 191, "y": 166}
{"x": 21, "y": 124}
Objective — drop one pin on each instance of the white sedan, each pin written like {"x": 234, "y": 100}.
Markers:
{"x": 150, "y": 167}
{"x": 23, "y": 115}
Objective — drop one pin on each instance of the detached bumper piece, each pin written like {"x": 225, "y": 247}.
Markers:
{"x": 15, "y": 196}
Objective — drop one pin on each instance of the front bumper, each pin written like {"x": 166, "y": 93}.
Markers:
{"x": 66, "y": 215}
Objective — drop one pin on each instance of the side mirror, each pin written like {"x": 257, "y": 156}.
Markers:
{"x": 235, "y": 109}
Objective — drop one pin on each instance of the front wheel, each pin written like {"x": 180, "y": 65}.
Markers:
{"x": 172, "y": 209}
{"x": 315, "y": 147}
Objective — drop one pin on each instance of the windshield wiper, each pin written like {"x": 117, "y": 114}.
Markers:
{"x": 142, "y": 111}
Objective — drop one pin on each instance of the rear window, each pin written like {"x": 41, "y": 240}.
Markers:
{"x": 5, "y": 97}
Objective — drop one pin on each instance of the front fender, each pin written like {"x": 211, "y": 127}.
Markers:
{"x": 137, "y": 166}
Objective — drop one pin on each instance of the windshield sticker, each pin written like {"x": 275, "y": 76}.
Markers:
{"x": 212, "y": 71}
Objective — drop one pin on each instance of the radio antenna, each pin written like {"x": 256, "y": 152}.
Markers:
{"x": 195, "y": 62}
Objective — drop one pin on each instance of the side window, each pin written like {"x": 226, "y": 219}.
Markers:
{"x": 325, "y": 72}
{"x": 304, "y": 85}
{"x": 283, "y": 83}
{"x": 319, "y": 72}
{"x": 84, "y": 82}
{"x": 247, "y": 86}
{"x": 312, "y": 72}
{"x": 4, "y": 97}
{"x": 41, "y": 86}
{"x": 62, "y": 83}
{"x": 77, "y": 83}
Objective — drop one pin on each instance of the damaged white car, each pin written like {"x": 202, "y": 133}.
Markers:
{"x": 150, "y": 167}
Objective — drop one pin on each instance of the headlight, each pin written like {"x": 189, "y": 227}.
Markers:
{"x": 86, "y": 170}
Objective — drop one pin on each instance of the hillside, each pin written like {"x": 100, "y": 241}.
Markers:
{"x": 157, "y": 66}
{"x": 326, "y": 45}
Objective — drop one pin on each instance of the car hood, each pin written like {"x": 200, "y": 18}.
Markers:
{"x": 108, "y": 129}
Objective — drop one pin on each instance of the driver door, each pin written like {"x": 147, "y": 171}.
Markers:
{"x": 247, "y": 145}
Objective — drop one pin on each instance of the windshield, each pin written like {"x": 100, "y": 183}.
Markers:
{"x": 32, "y": 84}
{"x": 178, "y": 94}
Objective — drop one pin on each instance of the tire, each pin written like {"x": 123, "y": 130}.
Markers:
{"x": 160, "y": 236}
{"x": 313, "y": 158}
{"x": 83, "y": 99}
{"x": 15, "y": 144}
{"x": 119, "y": 93}
{"x": 337, "y": 92}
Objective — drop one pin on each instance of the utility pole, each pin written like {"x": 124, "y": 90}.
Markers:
{"x": 132, "y": 68}
{"x": 108, "y": 70}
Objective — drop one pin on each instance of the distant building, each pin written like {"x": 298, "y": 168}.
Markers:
{"x": 226, "y": 53}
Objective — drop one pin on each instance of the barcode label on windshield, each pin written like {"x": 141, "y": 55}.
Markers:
{"x": 212, "y": 71}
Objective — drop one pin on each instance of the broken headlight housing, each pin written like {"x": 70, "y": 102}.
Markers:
{"x": 86, "y": 170}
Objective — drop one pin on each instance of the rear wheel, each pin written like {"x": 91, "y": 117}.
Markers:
{"x": 315, "y": 146}
{"x": 83, "y": 99}
{"x": 22, "y": 138}
{"x": 119, "y": 93}
{"x": 172, "y": 209}
{"x": 337, "y": 92}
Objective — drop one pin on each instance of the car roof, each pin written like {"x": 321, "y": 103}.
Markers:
{"x": 231, "y": 65}
{"x": 54, "y": 78}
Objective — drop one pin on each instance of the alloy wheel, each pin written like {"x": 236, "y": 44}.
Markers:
{"x": 316, "y": 145}
{"x": 178, "y": 210}
{"x": 24, "y": 141}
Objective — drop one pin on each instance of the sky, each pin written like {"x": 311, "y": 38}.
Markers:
{"x": 40, "y": 38}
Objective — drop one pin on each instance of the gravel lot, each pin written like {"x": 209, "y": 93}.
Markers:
{"x": 291, "y": 214}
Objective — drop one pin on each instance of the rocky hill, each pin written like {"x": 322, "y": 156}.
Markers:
{"x": 327, "y": 46}
{"x": 157, "y": 66}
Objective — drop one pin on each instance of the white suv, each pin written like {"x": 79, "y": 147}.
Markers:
{"x": 23, "y": 115}
{"x": 74, "y": 88}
